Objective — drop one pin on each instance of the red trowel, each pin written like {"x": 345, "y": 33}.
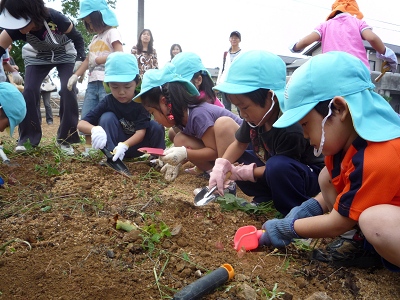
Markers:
{"x": 152, "y": 151}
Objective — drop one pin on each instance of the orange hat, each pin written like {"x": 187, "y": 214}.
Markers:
{"x": 349, "y": 6}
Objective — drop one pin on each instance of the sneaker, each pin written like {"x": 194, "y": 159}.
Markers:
{"x": 50, "y": 123}
{"x": 348, "y": 253}
{"x": 20, "y": 149}
{"x": 66, "y": 149}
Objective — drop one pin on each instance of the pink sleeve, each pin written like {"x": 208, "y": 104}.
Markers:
{"x": 218, "y": 103}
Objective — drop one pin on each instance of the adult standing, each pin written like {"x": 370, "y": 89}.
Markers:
{"x": 53, "y": 41}
{"x": 235, "y": 38}
{"x": 175, "y": 49}
{"x": 145, "y": 54}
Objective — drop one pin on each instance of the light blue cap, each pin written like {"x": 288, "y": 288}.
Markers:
{"x": 86, "y": 7}
{"x": 253, "y": 70}
{"x": 332, "y": 74}
{"x": 13, "y": 104}
{"x": 120, "y": 67}
{"x": 187, "y": 64}
{"x": 157, "y": 77}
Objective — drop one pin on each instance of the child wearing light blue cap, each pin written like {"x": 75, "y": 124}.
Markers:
{"x": 332, "y": 97}
{"x": 276, "y": 164}
{"x": 12, "y": 107}
{"x": 173, "y": 101}
{"x": 190, "y": 67}
{"x": 117, "y": 122}
{"x": 101, "y": 20}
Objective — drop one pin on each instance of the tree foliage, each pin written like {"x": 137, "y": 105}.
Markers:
{"x": 71, "y": 9}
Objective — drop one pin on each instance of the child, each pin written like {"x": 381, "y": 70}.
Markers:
{"x": 118, "y": 123}
{"x": 12, "y": 107}
{"x": 280, "y": 166}
{"x": 345, "y": 31}
{"x": 359, "y": 134}
{"x": 174, "y": 101}
{"x": 190, "y": 67}
{"x": 98, "y": 18}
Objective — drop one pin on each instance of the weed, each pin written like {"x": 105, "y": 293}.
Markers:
{"x": 153, "y": 234}
{"x": 229, "y": 202}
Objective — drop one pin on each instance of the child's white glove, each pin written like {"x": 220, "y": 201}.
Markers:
{"x": 71, "y": 81}
{"x": 99, "y": 137}
{"x": 119, "y": 151}
{"x": 390, "y": 57}
{"x": 170, "y": 171}
{"x": 17, "y": 78}
{"x": 174, "y": 155}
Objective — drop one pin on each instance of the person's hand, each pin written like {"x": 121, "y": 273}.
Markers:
{"x": 170, "y": 171}
{"x": 243, "y": 172}
{"x": 218, "y": 174}
{"x": 77, "y": 65}
{"x": 99, "y": 137}
{"x": 390, "y": 57}
{"x": 119, "y": 151}
{"x": 278, "y": 232}
{"x": 308, "y": 208}
{"x": 17, "y": 78}
{"x": 71, "y": 81}
{"x": 292, "y": 48}
{"x": 92, "y": 61}
{"x": 174, "y": 155}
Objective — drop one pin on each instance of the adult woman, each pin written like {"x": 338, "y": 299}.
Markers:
{"x": 145, "y": 53}
{"x": 52, "y": 42}
{"x": 175, "y": 49}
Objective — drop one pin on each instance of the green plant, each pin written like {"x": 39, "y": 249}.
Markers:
{"x": 229, "y": 202}
{"x": 153, "y": 234}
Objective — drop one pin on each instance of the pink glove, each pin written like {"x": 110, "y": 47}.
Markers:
{"x": 218, "y": 174}
{"x": 243, "y": 172}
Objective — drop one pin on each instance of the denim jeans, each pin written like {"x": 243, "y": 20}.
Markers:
{"x": 95, "y": 92}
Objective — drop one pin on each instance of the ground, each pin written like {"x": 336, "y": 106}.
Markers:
{"x": 59, "y": 214}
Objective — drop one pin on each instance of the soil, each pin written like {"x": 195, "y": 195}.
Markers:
{"x": 60, "y": 214}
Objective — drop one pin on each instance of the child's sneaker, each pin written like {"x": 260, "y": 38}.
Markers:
{"x": 348, "y": 253}
{"x": 66, "y": 149}
{"x": 20, "y": 149}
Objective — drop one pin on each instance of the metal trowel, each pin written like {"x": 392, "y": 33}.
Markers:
{"x": 207, "y": 195}
{"x": 117, "y": 165}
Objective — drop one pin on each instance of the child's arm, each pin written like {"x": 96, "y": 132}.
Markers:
{"x": 305, "y": 42}
{"x": 382, "y": 52}
{"x": 84, "y": 126}
{"x": 329, "y": 225}
{"x": 101, "y": 60}
{"x": 374, "y": 40}
{"x": 122, "y": 147}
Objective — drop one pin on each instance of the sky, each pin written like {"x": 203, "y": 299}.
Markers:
{"x": 204, "y": 26}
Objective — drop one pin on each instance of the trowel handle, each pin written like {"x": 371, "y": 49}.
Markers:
{"x": 206, "y": 284}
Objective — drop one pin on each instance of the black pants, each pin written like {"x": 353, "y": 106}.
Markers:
{"x": 30, "y": 128}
